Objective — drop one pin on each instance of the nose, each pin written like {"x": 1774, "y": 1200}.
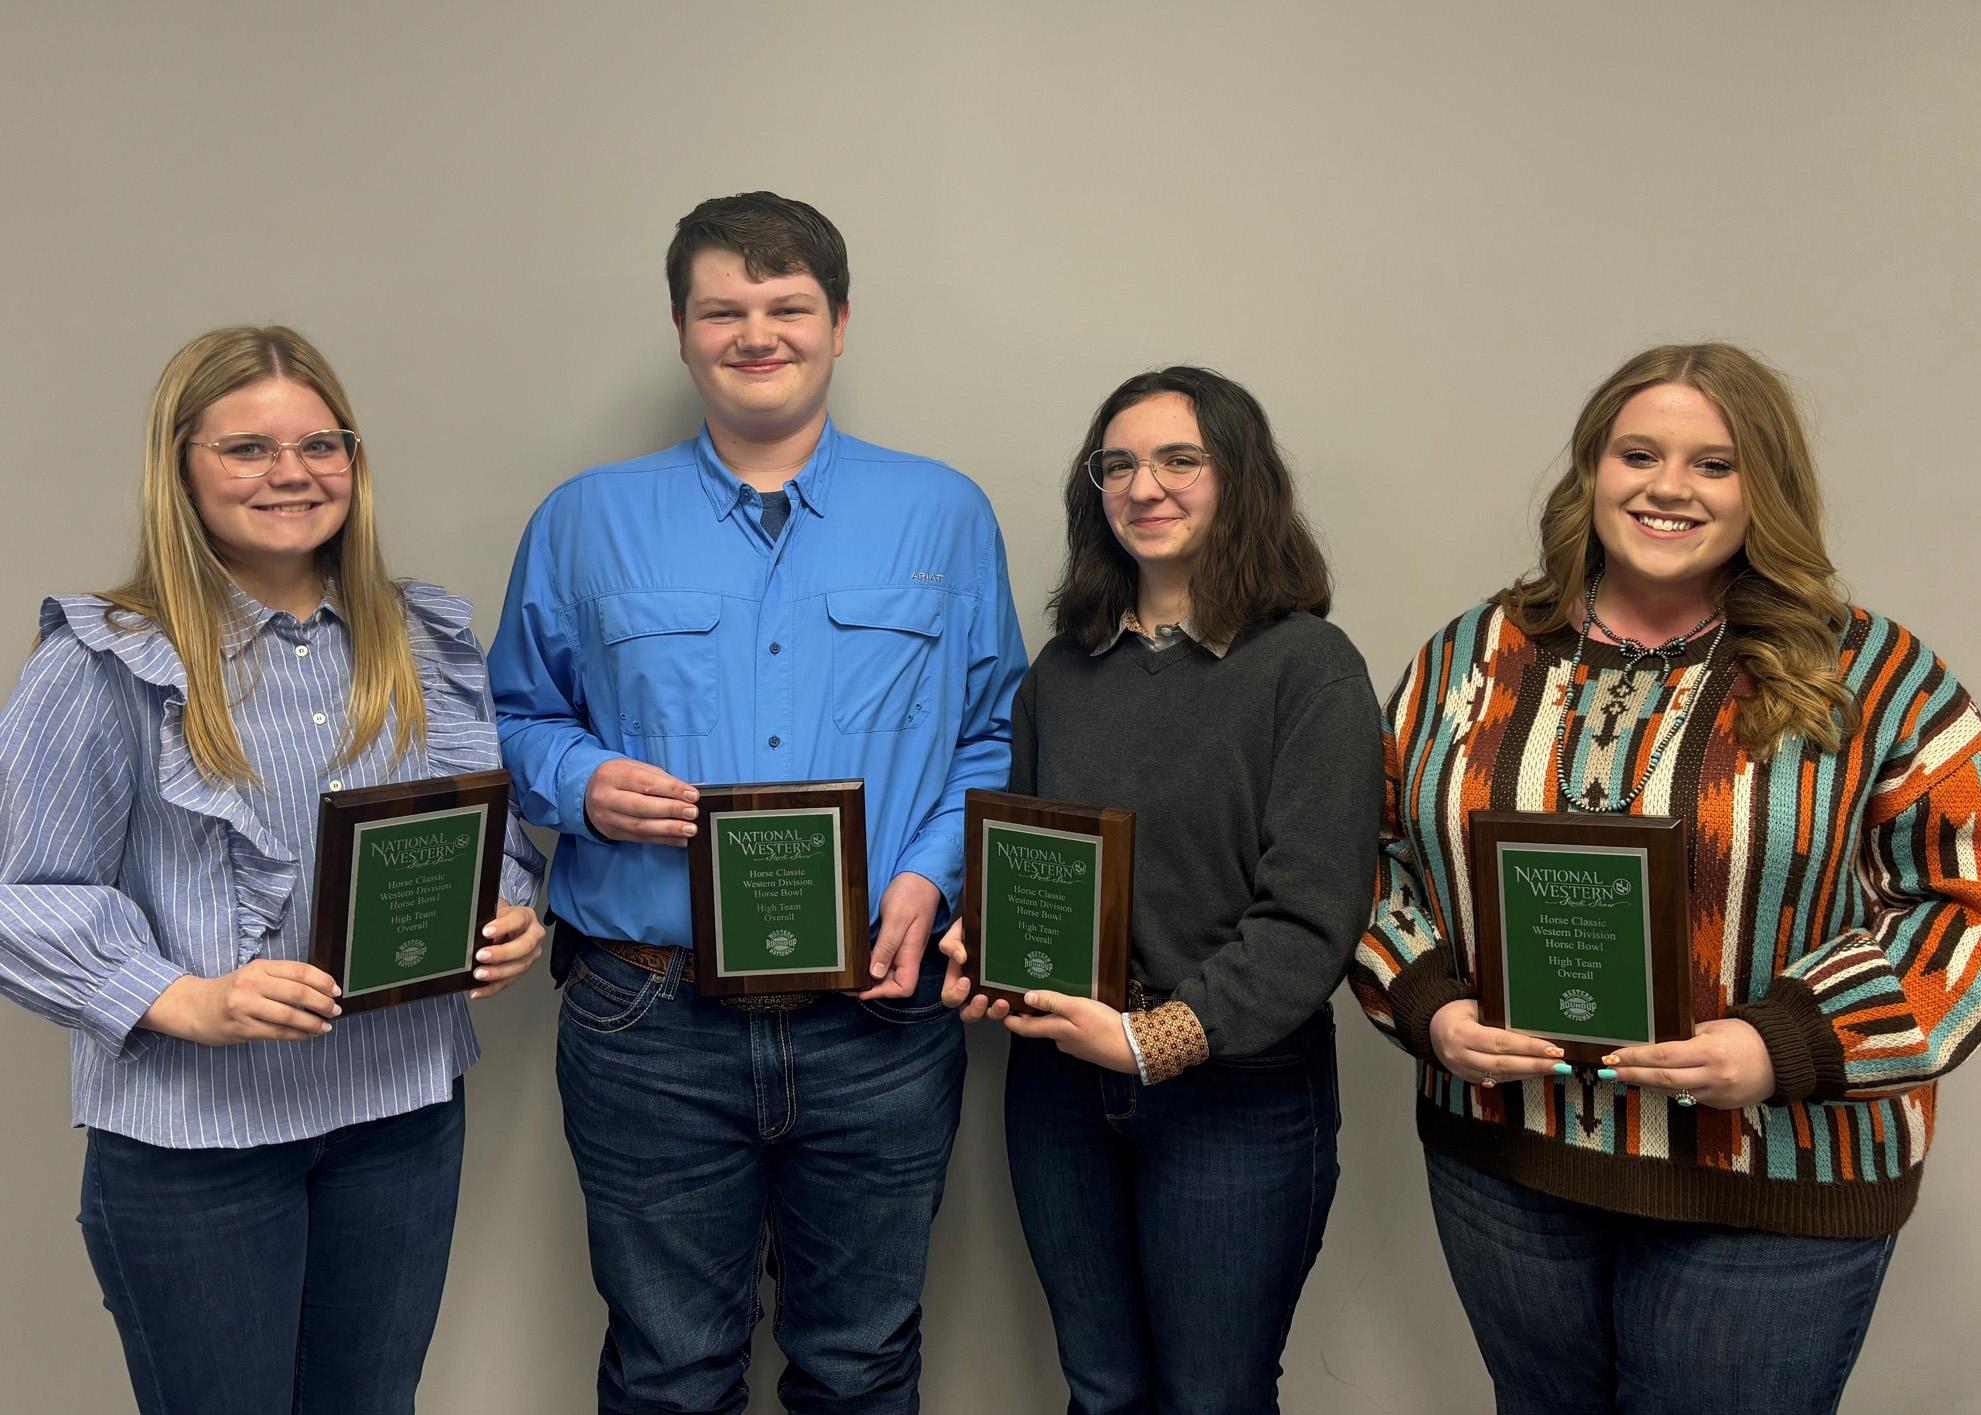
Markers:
{"x": 754, "y": 331}
{"x": 1671, "y": 481}
{"x": 289, "y": 469}
{"x": 1143, "y": 486}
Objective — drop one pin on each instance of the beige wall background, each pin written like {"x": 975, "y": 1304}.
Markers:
{"x": 1418, "y": 232}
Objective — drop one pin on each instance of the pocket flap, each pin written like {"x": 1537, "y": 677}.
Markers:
{"x": 638, "y": 613}
{"x": 915, "y": 611}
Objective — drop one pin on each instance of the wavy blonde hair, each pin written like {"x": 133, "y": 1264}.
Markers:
{"x": 180, "y": 583}
{"x": 1785, "y": 609}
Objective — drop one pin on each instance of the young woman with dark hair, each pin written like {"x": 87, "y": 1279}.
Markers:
{"x": 1174, "y": 1164}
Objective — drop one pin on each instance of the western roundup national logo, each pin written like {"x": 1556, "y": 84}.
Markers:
{"x": 411, "y": 953}
{"x": 1588, "y": 888}
{"x": 781, "y": 942}
{"x": 427, "y": 847}
{"x": 1040, "y": 863}
{"x": 777, "y": 843}
{"x": 1577, "y": 1005}
{"x": 1038, "y": 964}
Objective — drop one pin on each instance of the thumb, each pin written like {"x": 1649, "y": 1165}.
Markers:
{"x": 1050, "y": 1003}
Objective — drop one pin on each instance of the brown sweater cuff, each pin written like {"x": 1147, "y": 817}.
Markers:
{"x": 1417, "y": 994}
{"x": 1802, "y": 1045}
{"x": 1171, "y": 1039}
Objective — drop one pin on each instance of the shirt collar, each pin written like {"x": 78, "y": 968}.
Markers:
{"x": 247, "y": 616}
{"x": 725, "y": 490}
{"x": 1130, "y": 624}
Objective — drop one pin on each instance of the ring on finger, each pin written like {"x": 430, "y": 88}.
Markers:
{"x": 1685, "y": 1097}
{"x": 1490, "y": 1079}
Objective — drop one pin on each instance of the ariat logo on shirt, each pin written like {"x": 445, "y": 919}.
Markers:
{"x": 930, "y": 577}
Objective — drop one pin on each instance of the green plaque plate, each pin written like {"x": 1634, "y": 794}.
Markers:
{"x": 777, "y": 888}
{"x": 406, "y": 876}
{"x": 1046, "y": 897}
{"x": 1582, "y": 927}
{"x": 778, "y": 873}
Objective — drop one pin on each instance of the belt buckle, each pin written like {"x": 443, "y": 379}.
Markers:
{"x": 1140, "y": 999}
{"x": 769, "y": 1001}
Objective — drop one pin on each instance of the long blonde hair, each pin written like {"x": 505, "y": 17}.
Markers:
{"x": 181, "y": 585}
{"x": 1785, "y": 610}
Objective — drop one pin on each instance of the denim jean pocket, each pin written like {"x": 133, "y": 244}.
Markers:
{"x": 924, "y": 1004}
{"x": 608, "y": 994}
{"x": 1311, "y": 1039}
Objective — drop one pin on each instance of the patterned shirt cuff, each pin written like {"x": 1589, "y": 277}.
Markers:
{"x": 1167, "y": 1041}
{"x": 1134, "y": 1046}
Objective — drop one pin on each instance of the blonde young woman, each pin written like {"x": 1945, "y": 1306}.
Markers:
{"x": 269, "y": 1188}
{"x": 1697, "y": 1226}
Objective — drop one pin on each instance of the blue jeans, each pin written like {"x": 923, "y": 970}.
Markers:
{"x": 1172, "y": 1226}
{"x": 302, "y": 1277}
{"x": 712, "y": 1143}
{"x": 1580, "y": 1311}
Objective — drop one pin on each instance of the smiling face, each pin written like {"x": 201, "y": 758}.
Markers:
{"x": 760, "y": 351}
{"x": 1163, "y": 530}
{"x": 1668, "y": 504}
{"x": 267, "y": 528}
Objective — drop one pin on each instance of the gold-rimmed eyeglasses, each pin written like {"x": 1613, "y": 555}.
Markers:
{"x": 1174, "y": 467}
{"x": 328, "y": 452}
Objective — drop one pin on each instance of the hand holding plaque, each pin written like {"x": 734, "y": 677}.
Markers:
{"x": 406, "y": 875}
{"x": 1582, "y": 928}
{"x": 1046, "y": 897}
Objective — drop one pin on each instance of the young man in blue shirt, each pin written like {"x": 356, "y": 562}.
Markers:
{"x": 772, "y": 600}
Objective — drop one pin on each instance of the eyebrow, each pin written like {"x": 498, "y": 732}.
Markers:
{"x": 716, "y": 302}
{"x": 1166, "y": 447}
{"x": 1714, "y": 449}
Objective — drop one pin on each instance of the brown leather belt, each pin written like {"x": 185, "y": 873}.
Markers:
{"x": 658, "y": 958}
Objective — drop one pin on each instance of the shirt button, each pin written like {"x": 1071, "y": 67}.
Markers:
{"x": 774, "y": 741}
{"x": 319, "y": 719}
{"x": 777, "y": 648}
{"x": 336, "y": 786}
{"x": 302, "y": 650}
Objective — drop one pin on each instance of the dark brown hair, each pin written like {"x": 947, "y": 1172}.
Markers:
{"x": 1260, "y": 560}
{"x": 775, "y": 236}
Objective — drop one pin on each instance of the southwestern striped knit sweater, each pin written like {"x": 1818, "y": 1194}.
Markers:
{"x": 1835, "y": 907}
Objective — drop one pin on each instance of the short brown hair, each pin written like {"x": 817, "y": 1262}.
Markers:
{"x": 1260, "y": 560}
{"x": 775, "y": 236}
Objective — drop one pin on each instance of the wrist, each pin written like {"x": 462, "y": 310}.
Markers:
{"x": 174, "y": 1010}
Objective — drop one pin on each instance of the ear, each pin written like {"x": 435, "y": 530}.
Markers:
{"x": 839, "y": 328}
{"x": 680, "y": 335}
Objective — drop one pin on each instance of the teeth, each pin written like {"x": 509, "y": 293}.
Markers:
{"x": 1666, "y": 523}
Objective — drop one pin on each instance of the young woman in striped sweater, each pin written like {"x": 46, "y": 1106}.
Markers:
{"x": 269, "y": 1187}
{"x": 1696, "y": 1226}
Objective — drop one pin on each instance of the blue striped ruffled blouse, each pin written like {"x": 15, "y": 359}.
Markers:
{"x": 122, "y": 868}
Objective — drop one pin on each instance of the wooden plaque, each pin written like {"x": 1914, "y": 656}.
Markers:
{"x": 778, "y": 876}
{"x": 406, "y": 876}
{"x": 1046, "y": 891}
{"x": 1583, "y": 928}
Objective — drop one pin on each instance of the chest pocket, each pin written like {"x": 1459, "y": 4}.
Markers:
{"x": 883, "y": 656}
{"x": 660, "y": 659}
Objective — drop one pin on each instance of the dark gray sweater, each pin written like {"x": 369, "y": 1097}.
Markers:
{"x": 1257, "y": 786}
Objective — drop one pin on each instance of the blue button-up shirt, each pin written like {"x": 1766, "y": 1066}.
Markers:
{"x": 123, "y": 869}
{"x": 650, "y": 616}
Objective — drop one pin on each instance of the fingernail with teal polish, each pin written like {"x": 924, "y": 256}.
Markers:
{"x": 1562, "y": 1068}
{"x": 1606, "y": 1074}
